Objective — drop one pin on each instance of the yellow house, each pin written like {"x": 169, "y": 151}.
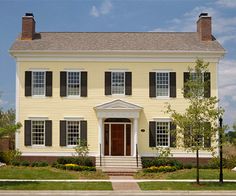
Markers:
{"x": 109, "y": 89}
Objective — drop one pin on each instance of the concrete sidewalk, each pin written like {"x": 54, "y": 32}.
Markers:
{"x": 117, "y": 193}
{"x": 120, "y": 179}
{"x": 120, "y": 185}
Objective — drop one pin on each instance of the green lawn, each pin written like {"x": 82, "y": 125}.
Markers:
{"x": 55, "y": 186}
{"x": 10, "y": 172}
{"x": 187, "y": 174}
{"x": 186, "y": 186}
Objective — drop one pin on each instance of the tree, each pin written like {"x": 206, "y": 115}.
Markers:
{"x": 198, "y": 124}
{"x": 231, "y": 135}
{"x": 7, "y": 123}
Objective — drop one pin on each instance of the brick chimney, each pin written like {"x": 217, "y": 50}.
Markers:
{"x": 204, "y": 27}
{"x": 28, "y": 27}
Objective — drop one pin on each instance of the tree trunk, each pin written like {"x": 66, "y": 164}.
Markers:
{"x": 197, "y": 153}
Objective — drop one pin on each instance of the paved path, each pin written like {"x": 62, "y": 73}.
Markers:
{"x": 117, "y": 193}
{"x": 121, "y": 185}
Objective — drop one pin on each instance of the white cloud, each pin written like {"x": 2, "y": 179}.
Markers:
{"x": 3, "y": 102}
{"x": 227, "y": 3}
{"x": 103, "y": 9}
{"x": 94, "y": 11}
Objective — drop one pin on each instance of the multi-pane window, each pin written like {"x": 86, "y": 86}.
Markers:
{"x": 162, "y": 84}
{"x": 38, "y": 132}
{"x": 118, "y": 83}
{"x": 38, "y": 83}
{"x": 73, "y": 132}
{"x": 73, "y": 83}
{"x": 162, "y": 129}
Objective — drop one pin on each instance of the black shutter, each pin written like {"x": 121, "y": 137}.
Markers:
{"x": 207, "y": 138}
{"x": 84, "y": 84}
{"x": 152, "y": 134}
{"x": 27, "y": 132}
{"x": 207, "y": 82}
{"x": 186, "y": 79}
{"x": 83, "y": 130}
{"x": 128, "y": 83}
{"x": 152, "y": 84}
{"x": 28, "y": 83}
{"x": 62, "y": 133}
{"x": 172, "y": 135}
{"x": 48, "y": 133}
{"x": 172, "y": 84}
{"x": 63, "y": 83}
{"x": 48, "y": 83}
{"x": 107, "y": 83}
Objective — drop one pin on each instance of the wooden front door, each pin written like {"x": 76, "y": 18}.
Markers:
{"x": 117, "y": 139}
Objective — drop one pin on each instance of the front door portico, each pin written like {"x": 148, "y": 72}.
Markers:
{"x": 118, "y": 138}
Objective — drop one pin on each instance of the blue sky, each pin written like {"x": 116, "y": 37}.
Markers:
{"x": 121, "y": 15}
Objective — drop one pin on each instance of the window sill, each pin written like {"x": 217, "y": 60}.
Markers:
{"x": 73, "y": 97}
{"x": 38, "y": 146}
{"x": 69, "y": 147}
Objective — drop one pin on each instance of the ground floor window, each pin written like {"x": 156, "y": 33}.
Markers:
{"x": 73, "y": 132}
{"x": 162, "y": 136}
{"x": 38, "y": 132}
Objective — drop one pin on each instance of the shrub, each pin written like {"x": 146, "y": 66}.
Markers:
{"x": 39, "y": 164}
{"x": 25, "y": 163}
{"x": 84, "y": 161}
{"x": 74, "y": 167}
{"x": 155, "y": 169}
{"x": 161, "y": 162}
{"x": 15, "y": 163}
{"x": 10, "y": 156}
{"x": 188, "y": 166}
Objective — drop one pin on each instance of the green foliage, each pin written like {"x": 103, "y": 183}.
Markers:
{"x": 160, "y": 169}
{"x": 161, "y": 162}
{"x": 163, "y": 152}
{"x": 25, "y": 163}
{"x": 231, "y": 135}
{"x": 200, "y": 111}
{"x": 7, "y": 123}
{"x": 188, "y": 166}
{"x": 10, "y": 156}
{"x": 39, "y": 164}
{"x": 82, "y": 148}
{"x": 83, "y": 161}
{"x": 74, "y": 167}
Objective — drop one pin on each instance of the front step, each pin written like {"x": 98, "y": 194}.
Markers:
{"x": 119, "y": 165}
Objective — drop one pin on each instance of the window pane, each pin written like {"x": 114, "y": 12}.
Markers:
{"x": 162, "y": 84}
{"x": 118, "y": 82}
{"x": 72, "y": 132}
{"x": 38, "y": 132}
{"x": 73, "y": 83}
{"x": 162, "y": 133}
{"x": 38, "y": 83}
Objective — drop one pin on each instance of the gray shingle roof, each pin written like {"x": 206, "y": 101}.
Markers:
{"x": 186, "y": 41}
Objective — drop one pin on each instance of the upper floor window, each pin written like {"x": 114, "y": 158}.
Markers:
{"x": 118, "y": 83}
{"x": 73, "y": 83}
{"x": 38, "y": 132}
{"x": 162, "y": 84}
{"x": 38, "y": 83}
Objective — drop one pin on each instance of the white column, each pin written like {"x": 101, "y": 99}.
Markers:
{"x": 135, "y": 129}
{"x": 100, "y": 136}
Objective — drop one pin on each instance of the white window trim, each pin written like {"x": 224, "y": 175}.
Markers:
{"x": 168, "y": 121}
{"x": 119, "y": 71}
{"x": 168, "y": 96}
{"x": 67, "y": 78}
{"x": 32, "y": 79}
{"x": 71, "y": 119}
{"x": 36, "y": 145}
